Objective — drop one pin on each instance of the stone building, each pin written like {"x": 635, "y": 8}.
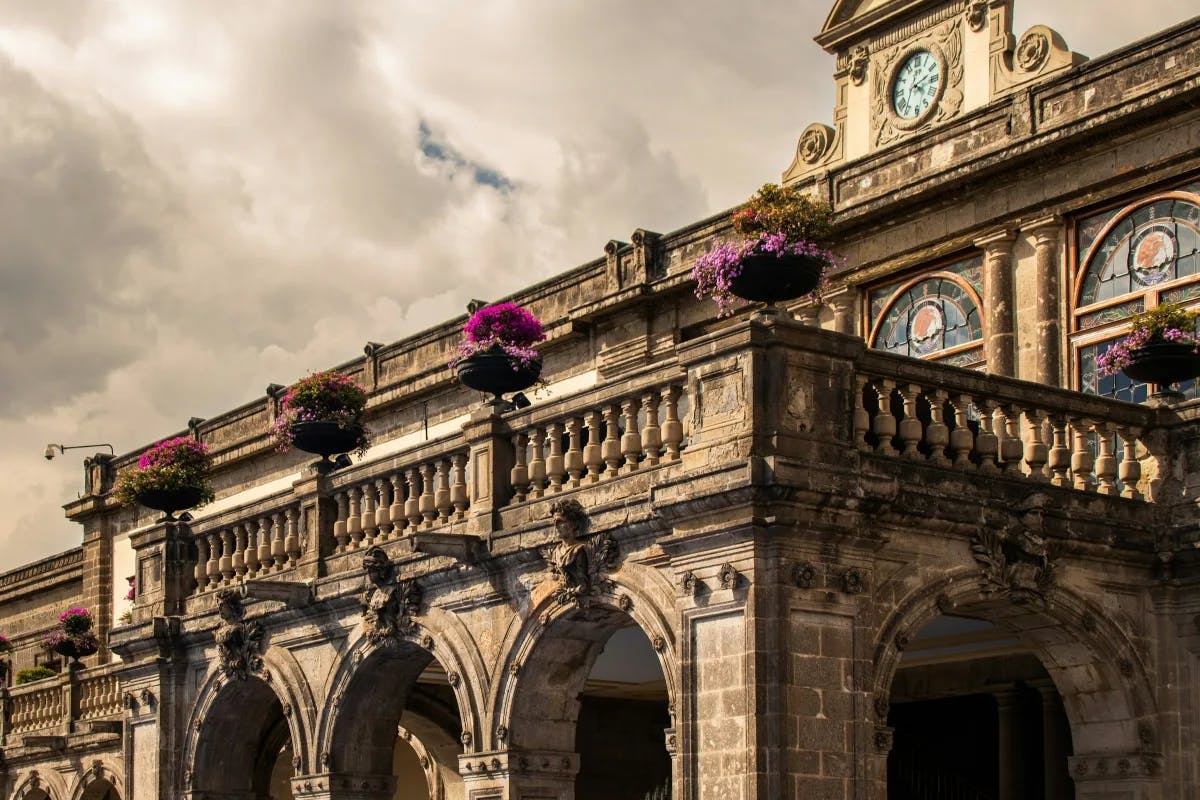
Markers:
{"x": 908, "y": 545}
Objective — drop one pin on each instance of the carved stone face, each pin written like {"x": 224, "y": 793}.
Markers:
{"x": 1033, "y": 518}
{"x": 565, "y": 528}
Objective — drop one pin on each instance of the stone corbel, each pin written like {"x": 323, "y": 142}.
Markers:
{"x": 293, "y": 594}
{"x": 462, "y": 547}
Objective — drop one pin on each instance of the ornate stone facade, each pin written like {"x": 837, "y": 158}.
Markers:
{"x": 745, "y": 558}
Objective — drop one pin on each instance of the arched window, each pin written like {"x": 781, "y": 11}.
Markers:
{"x": 1130, "y": 259}
{"x": 935, "y": 316}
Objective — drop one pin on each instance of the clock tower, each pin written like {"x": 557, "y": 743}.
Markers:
{"x": 906, "y": 66}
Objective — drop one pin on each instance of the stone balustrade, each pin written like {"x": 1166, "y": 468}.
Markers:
{"x": 54, "y": 705}
{"x": 257, "y": 546}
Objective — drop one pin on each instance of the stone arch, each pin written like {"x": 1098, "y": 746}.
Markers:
{"x": 547, "y": 645}
{"x": 437, "y": 752}
{"x": 1105, "y": 687}
{"x": 370, "y": 689}
{"x": 101, "y": 781}
{"x": 233, "y": 719}
{"x": 39, "y": 786}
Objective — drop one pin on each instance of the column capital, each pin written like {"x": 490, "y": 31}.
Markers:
{"x": 997, "y": 241}
{"x": 1043, "y": 227}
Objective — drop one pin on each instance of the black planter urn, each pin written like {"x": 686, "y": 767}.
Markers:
{"x": 169, "y": 501}
{"x": 494, "y": 372}
{"x": 76, "y": 649}
{"x": 1163, "y": 363}
{"x": 769, "y": 278}
{"x": 325, "y": 438}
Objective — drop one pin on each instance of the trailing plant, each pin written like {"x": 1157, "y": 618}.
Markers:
{"x": 1168, "y": 322}
{"x": 504, "y": 326}
{"x": 32, "y": 674}
{"x": 328, "y": 396}
{"x": 171, "y": 464}
{"x": 777, "y": 221}
{"x": 74, "y": 632}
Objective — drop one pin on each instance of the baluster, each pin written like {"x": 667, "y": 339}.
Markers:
{"x": 884, "y": 424}
{"x": 1059, "y": 459}
{"x": 1106, "y": 463}
{"x": 554, "y": 462}
{"x": 202, "y": 558}
{"x": 226, "y": 555}
{"x": 441, "y": 497}
{"x": 631, "y": 441}
{"x": 428, "y": 506}
{"x": 610, "y": 448}
{"x": 214, "y": 559}
{"x": 412, "y": 504}
{"x": 1131, "y": 467}
{"x": 910, "y": 427}
{"x": 519, "y": 475}
{"x": 672, "y": 432}
{"x": 251, "y": 557}
{"x": 1036, "y": 451}
{"x": 369, "y": 525}
{"x": 278, "y": 545}
{"x": 339, "y": 527}
{"x": 383, "y": 512}
{"x": 1082, "y": 460}
{"x": 294, "y": 549}
{"x": 537, "y": 465}
{"x": 264, "y": 544}
{"x": 458, "y": 490}
{"x": 592, "y": 456}
{"x": 354, "y": 521}
{"x": 651, "y": 434}
{"x": 573, "y": 462}
{"x": 961, "y": 438}
{"x": 1011, "y": 447}
{"x": 987, "y": 444}
{"x": 937, "y": 434}
{"x": 239, "y": 550}
{"x": 396, "y": 513}
{"x": 862, "y": 418}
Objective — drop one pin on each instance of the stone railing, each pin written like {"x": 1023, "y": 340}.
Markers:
{"x": 258, "y": 545}
{"x": 53, "y": 706}
{"x": 595, "y": 436}
{"x": 982, "y": 423}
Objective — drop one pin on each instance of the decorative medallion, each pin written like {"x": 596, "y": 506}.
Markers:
{"x": 728, "y": 576}
{"x": 1032, "y": 51}
{"x": 815, "y": 142}
{"x": 804, "y": 575}
{"x": 578, "y": 566}
{"x": 239, "y": 643}
{"x": 1152, "y": 254}
{"x": 926, "y": 325}
{"x": 388, "y": 605}
{"x": 853, "y": 581}
{"x": 690, "y": 584}
{"x": 1016, "y": 562}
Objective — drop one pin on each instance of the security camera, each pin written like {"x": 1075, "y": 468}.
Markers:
{"x": 49, "y": 452}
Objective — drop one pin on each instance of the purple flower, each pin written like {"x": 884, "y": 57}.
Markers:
{"x": 1167, "y": 322}
{"x": 715, "y": 271}
{"x": 506, "y": 326}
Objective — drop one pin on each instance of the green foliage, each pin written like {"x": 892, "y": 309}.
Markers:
{"x": 786, "y": 210}
{"x": 34, "y": 674}
{"x": 1163, "y": 318}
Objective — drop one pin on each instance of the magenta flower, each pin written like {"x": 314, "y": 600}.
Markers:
{"x": 328, "y": 396}
{"x": 504, "y": 326}
{"x": 1167, "y": 322}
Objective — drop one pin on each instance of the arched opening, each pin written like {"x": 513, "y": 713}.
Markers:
{"x": 398, "y": 730}
{"x": 100, "y": 789}
{"x": 975, "y": 714}
{"x": 244, "y": 747}
{"x": 594, "y": 681}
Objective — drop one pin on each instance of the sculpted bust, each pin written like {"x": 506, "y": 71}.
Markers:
{"x": 576, "y": 564}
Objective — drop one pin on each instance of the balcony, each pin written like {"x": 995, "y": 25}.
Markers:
{"x": 79, "y": 704}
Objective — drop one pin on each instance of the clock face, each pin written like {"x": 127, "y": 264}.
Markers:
{"x": 916, "y": 85}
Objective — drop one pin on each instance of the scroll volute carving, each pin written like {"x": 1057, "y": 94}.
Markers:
{"x": 239, "y": 643}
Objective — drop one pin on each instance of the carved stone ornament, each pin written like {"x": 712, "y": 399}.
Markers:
{"x": 1016, "y": 562}
{"x": 388, "y": 605}
{"x": 690, "y": 584}
{"x": 239, "y": 643}
{"x": 860, "y": 62}
{"x": 814, "y": 143}
{"x": 578, "y": 566}
{"x": 1032, "y": 51}
{"x": 465, "y": 739}
{"x": 883, "y": 740}
{"x": 977, "y": 14}
{"x": 728, "y": 576}
{"x": 853, "y": 581}
{"x": 659, "y": 644}
{"x": 945, "y": 44}
{"x": 804, "y": 575}
{"x": 501, "y": 733}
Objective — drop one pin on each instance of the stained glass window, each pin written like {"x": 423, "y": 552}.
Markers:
{"x": 930, "y": 317}
{"x": 1129, "y": 260}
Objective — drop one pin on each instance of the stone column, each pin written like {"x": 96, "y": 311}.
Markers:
{"x": 844, "y": 301}
{"x": 999, "y": 331}
{"x": 1009, "y": 745}
{"x": 491, "y": 458}
{"x": 1048, "y": 283}
{"x": 314, "y": 523}
{"x": 1056, "y": 739}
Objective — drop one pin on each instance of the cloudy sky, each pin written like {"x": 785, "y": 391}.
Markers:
{"x": 201, "y": 198}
